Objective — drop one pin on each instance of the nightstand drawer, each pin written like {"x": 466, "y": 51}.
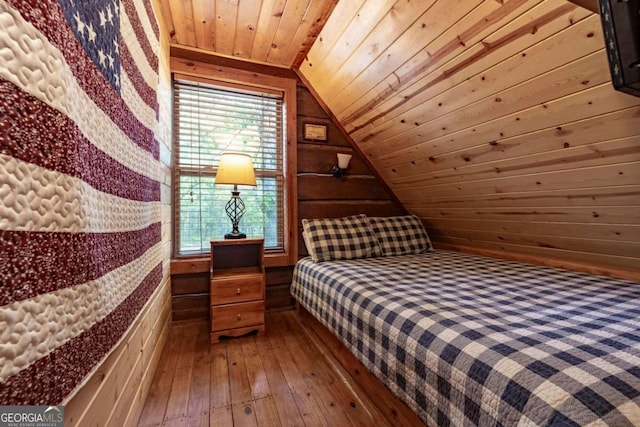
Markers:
{"x": 227, "y": 291}
{"x": 237, "y": 315}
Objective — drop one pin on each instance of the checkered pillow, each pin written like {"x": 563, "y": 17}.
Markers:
{"x": 401, "y": 235}
{"x": 340, "y": 238}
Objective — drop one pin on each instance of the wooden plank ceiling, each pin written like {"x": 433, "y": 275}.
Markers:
{"x": 494, "y": 121}
{"x": 275, "y": 32}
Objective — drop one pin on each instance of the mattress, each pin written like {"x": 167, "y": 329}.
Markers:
{"x": 468, "y": 340}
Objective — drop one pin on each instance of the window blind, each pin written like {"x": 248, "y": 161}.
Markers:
{"x": 210, "y": 119}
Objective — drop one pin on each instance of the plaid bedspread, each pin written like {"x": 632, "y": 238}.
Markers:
{"x": 467, "y": 340}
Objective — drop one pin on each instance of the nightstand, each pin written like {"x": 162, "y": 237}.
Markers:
{"x": 237, "y": 287}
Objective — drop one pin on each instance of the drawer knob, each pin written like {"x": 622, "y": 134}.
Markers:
{"x": 238, "y": 291}
{"x": 238, "y": 317}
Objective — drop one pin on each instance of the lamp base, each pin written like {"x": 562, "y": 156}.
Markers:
{"x": 235, "y": 236}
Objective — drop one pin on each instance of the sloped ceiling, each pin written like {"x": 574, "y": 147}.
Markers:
{"x": 494, "y": 121}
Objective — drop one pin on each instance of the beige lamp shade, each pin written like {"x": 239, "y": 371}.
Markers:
{"x": 236, "y": 169}
{"x": 343, "y": 160}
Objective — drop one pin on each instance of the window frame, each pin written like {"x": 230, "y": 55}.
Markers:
{"x": 221, "y": 76}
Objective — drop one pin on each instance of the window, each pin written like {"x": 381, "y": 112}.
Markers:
{"x": 213, "y": 117}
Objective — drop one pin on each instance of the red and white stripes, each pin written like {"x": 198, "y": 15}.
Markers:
{"x": 80, "y": 220}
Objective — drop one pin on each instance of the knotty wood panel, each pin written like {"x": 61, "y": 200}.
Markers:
{"x": 496, "y": 122}
{"x": 278, "y": 32}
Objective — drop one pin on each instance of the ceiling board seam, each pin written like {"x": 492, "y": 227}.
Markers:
{"x": 424, "y": 187}
{"x": 414, "y": 80}
{"x": 528, "y": 235}
{"x": 289, "y": 54}
{"x": 527, "y": 249}
{"x": 474, "y": 147}
{"x": 339, "y": 36}
{"x": 401, "y": 33}
{"x": 520, "y": 135}
{"x": 627, "y": 114}
{"x": 337, "y": 65}
{"x": 534, "y": 193}
{"x": 313, "y": 34}
{"x": 501, "y": 142}
{"x": 445, "y": 91}
{"x": 462, "y": 170}
{"x": 502, "y": 94}
{"x": 416, "y": 74}
{"x": 552, "y": 223}
{"x": 425, "y": 48}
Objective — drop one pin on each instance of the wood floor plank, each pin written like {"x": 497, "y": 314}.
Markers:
{"x": 331, "y": 408}
{"x": 267, "y": 412}
{"x": 199, "y": 398}
{"x": 176, "y": 422}
{"x": 283, "y": 378}
{"x": 220, "y": 389}
{"x": 293, "y": 376}
{"x": 238, "y": 380}
{"x": 356, "y": 404}
{"x": 311, "y": 362}
{"x": 272, "y": 369}
{"x": 256, "y": 374}
{"x": 244, "y": 415}
{"x": 178, "y": 404}
{"x": 221, "y": 417}
{"x": 295, "y": 353}
{"x": 156, "y": 403}
{"x": 359, "y": 413}
{"x": 287, "y": 409}
{"x": 310, "y": 408}
{"x": 201, "y": 420}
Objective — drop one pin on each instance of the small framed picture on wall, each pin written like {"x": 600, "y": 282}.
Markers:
{"x": 314, "y": 132}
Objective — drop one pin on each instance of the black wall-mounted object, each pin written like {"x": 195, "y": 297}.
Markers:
{"x": 621, "y": 25}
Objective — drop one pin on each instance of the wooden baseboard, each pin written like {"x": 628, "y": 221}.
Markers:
{"x": 396, "y": 411}
{"x": 116, "y": 391}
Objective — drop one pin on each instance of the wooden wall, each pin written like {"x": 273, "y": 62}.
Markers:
{"x": 495, "y": 122}
{"x": 321, "y": 195}
{"x": 115, "y": 393}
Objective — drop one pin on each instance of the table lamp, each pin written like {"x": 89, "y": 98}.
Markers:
{"x": 236, "y": 169}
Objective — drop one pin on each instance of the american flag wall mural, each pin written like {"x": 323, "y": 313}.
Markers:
{"x": 80, "y": 217}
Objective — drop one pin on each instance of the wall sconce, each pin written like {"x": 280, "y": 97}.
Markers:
{"x": 343, "y": 164}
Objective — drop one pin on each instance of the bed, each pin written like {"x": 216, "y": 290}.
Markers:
{"x": 467, "y": 340}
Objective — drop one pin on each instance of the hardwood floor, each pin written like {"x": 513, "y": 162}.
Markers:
{"x": 284, "y": 378}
